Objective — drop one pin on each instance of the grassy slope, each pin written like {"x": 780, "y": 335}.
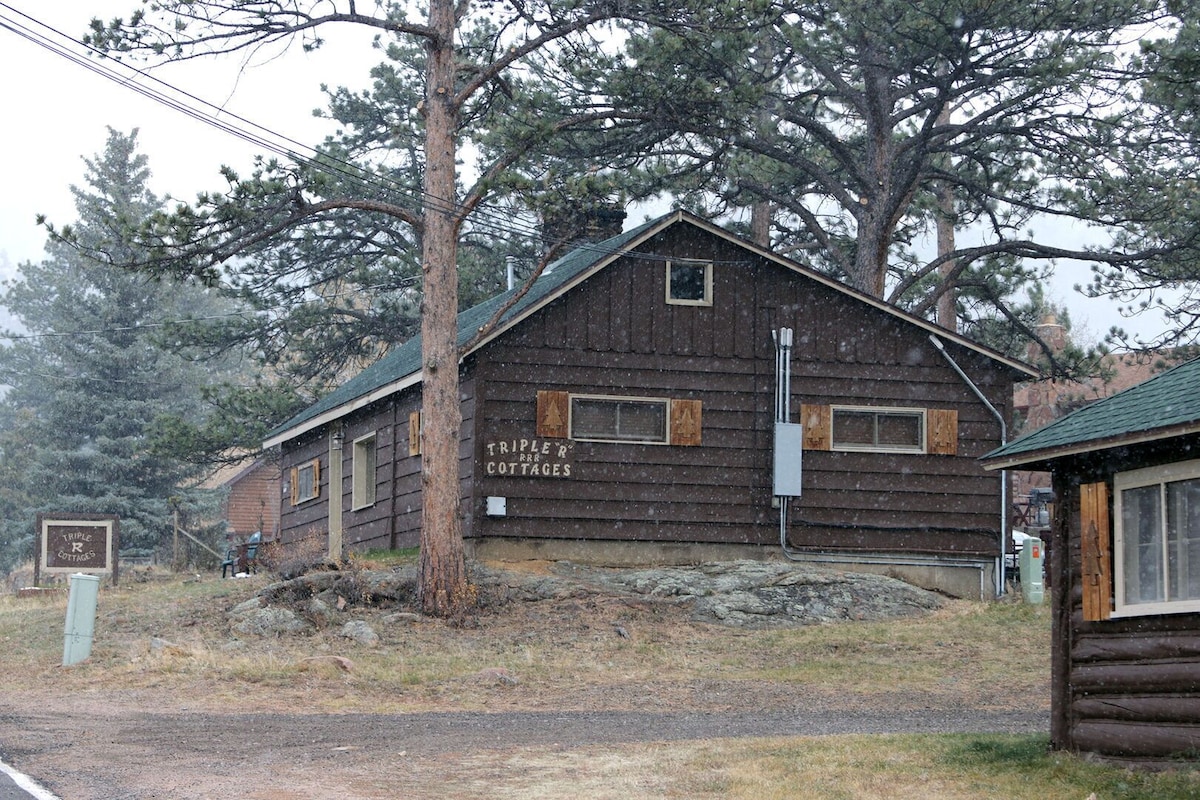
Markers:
{"x": 566, "y": 654}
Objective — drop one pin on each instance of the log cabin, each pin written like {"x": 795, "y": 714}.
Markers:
{"x": 1124, "y": 569}
{"x": 677, "y": 394}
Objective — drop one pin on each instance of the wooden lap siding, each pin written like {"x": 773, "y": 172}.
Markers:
{"x": 617, "y": 336}
{"x": 394, "y": 520}
{"x": 302, "y": 522}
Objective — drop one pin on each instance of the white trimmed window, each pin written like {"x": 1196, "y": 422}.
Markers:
{"x": 362, "y": 492}
{"x": 880, "y": 430}
{"x": 689, "y": 283}
{"x": 619, "y": 419}
{"x": 1157, "y": 539}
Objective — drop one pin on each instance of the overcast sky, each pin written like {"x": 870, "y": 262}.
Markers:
{"x": 55, "y": 113}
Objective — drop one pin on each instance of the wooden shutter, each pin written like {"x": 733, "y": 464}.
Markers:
{"x": 414, "y": 433}
{"x": 552, "y": 414}
{"x": 818, "y": 426}
{"x": 941, "y": 431}
{"x": 685, "y": 422}
{"x": 1095, "y": 552}
{"x": 295, "y": 479}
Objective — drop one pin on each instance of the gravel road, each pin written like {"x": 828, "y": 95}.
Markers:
{"x": 201, "y": 755}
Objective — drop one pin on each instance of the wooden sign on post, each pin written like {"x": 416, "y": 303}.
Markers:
{"x": 71, "y": 543}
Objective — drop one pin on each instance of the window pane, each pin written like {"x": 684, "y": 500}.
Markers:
{"x": 853, "y": 427}
{"x": 1183, "y": 540}
{"x": 593, "y": 418}
{"x": 363, "y": 489}
{"x": 645, "y": 422}
{"x": 899, "y": 430}
{"x": 689, "y": 282}
{"x": 304, "y": 480}
{"x": 1141, "y": 525}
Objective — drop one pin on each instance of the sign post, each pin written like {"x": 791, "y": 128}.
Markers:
{"x": 81, "y": 618}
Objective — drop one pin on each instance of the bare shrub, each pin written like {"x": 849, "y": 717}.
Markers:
{"x": 298, "y": 557}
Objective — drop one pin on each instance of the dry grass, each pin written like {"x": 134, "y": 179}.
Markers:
{"x": 561, "y": 654}
{"x": 167, "y": 640}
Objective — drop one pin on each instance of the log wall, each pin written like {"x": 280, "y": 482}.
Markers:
{"x": 1125, "y": 688}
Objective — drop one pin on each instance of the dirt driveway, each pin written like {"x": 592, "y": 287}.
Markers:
{"x": 85, "y": 755}
{"x": 600, "y": 694}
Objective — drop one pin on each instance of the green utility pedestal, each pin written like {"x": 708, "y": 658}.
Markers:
{"x": 1033, "y": 554}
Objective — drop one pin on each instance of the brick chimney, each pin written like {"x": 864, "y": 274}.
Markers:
{"x": 1050, "y": 331}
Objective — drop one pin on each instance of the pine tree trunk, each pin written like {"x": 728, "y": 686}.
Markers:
{"x": 947, "y": 304}
{"x": 444, "y": 589}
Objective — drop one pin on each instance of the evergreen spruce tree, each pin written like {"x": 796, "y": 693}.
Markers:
{"x": 88, "y": 377}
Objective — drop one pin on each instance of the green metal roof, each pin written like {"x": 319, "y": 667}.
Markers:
{"x": 401, "y": 367}
{"x": 1165, "y": 405}
{"x": 404, "y": 362}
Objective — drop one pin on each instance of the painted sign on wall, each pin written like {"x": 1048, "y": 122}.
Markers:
{"x": 532, "y": 458}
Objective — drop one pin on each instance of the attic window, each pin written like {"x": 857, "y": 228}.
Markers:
{"x": 689, "y": 283}
{"x": 892, "y": 430}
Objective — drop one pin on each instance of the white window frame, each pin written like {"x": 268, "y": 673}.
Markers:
{"x": 855, "y": 447}
{"x": 1137, "y": 479}
{"x": 708, "y": 282}
{"x": 363, "y": 463}
{"x": 663, "y": 401}
{"x": 313, "y": 467}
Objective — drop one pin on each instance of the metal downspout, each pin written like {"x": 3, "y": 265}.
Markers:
{"x": 1000, "y": 572}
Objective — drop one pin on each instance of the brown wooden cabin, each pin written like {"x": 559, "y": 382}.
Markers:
{"x": 249, "y": 493}
{"x": 623, "y": 412}
{"x": 252, "y": 500}
{"x": 1124, "y": 568}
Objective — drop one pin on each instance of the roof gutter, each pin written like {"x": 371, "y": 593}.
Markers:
{"x": 1000, "y": 577}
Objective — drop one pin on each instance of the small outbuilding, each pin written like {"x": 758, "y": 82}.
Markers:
{"x": 625, "y": 408}
{"x": 1124, "y": 570}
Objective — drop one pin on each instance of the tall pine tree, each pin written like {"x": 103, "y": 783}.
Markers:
{"x": 88, "y": 377}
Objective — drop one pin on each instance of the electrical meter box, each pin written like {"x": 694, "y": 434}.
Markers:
{"x": 1033, "y": 558}
{"x": 789, "y": 445}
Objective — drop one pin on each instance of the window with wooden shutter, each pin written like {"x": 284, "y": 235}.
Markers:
{"x": 685, "y": 423}
{"x": 414, "y": 433}
{"x": 878, "y": 430}
{"x": 553, "y": 414}
{"x": 1095, "y": 552}
{"x": 306, "y": 481}
{"x": 817, "y": 421}
{"x": 605, "y": 418}
{"x": 941, "y": 431}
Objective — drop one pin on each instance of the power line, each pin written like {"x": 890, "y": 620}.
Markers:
{"x": 172, "y": 97}
{"x": 182, "y": 101}
{"x": 213, "y": 115}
